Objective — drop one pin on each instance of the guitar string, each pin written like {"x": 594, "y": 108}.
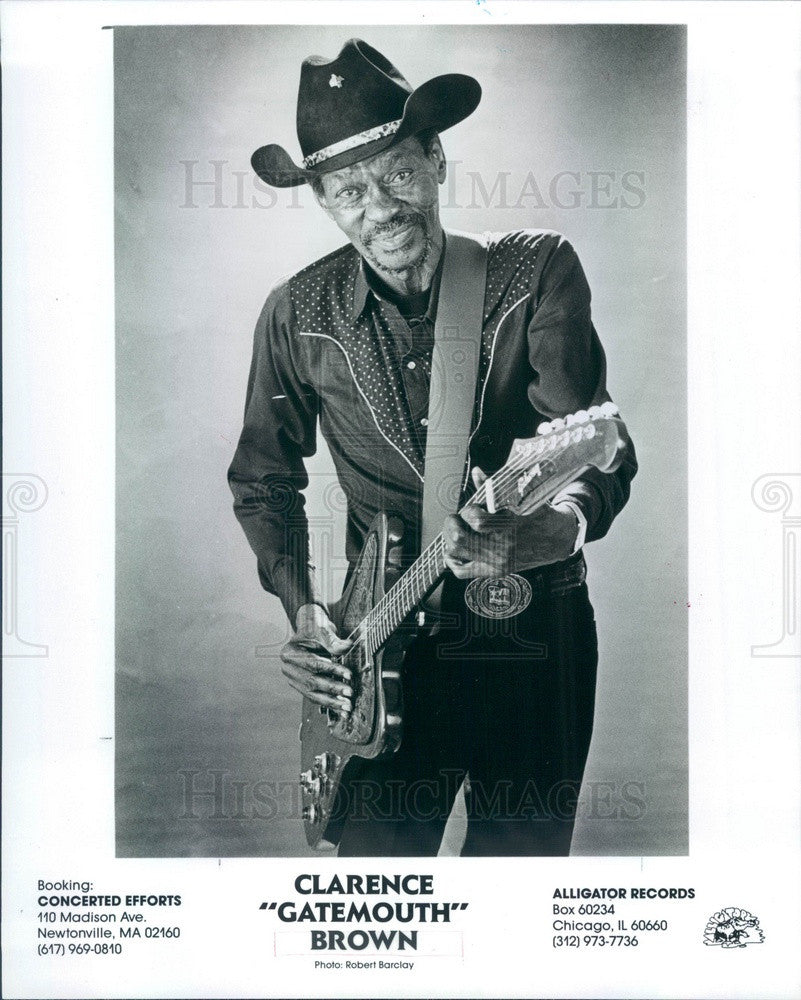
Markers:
{"x": 420, "y": 576}
{"x": 391, "y": 603}
{"x": 388, "y": 609}
{"x": 395, "y": 605}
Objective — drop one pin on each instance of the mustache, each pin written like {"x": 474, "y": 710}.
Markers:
{"x": 388, "y": 228}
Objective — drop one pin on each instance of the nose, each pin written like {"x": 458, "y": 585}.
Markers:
{"x": 382, "y": 205}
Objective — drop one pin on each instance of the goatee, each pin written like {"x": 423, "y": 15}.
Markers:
{"x": 411, "y": 266}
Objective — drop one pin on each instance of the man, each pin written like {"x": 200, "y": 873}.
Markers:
{"x": 348, "y": 342}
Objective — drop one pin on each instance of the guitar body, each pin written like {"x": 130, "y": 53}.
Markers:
{"x": 330, "y": 742}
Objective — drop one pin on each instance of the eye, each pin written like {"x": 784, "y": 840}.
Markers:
{"x": 401, "y": 176}
{"x": 347, "y": 195}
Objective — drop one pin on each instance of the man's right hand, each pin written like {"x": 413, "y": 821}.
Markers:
{"x": 307, "y": 662}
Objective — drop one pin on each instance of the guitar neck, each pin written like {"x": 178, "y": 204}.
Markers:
{"x": 401, "y": 599}
{"x": 536, "y": 470}
{"x": 429, "y": 567}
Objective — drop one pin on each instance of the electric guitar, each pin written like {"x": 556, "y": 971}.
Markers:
{"x": 377, "y": 607}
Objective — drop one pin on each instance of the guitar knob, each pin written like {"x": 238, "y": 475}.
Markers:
{"x": 325, "y": 763}
{"x": 306, "y": 780}
{"x": 395, "y": 532}
{"x": 311, "y": 813}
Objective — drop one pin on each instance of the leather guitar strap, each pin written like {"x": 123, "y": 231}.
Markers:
{"x": 454, "y": 375}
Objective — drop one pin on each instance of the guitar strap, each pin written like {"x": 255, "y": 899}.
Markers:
{"x": 454, "y": 375}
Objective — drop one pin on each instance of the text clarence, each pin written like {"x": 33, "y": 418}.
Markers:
{"x": 365, "y": 885}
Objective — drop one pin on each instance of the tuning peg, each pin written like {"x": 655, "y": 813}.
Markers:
{"x": 544, "y": 428}
{"x": 558, "y": 424}
{"x": 609, "y": 409}
{"x": 579, "y": 417}
{"x": 593, "y": 412}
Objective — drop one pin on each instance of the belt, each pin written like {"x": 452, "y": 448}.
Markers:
{"x": 558, "y": 578}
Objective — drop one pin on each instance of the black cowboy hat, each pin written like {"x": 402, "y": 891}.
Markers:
{"x": 357, "y": 105}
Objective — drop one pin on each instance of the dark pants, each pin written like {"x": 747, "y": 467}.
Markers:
{"x": 508, "y": 702}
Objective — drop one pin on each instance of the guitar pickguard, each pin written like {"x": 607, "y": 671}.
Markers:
{"x": 356, "y": 604}
{"x": 358, "y": 600}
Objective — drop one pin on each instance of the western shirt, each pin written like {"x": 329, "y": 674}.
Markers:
{"x": 331, "y": 352}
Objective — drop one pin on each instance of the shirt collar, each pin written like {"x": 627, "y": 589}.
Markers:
{"x": 361, "y": 290}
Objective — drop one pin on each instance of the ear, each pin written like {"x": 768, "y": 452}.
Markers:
{"x": 437, "y": 155}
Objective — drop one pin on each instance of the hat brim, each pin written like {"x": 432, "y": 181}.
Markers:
{"x": 438, "y": 104}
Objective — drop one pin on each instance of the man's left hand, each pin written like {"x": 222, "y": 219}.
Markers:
{"x": 480, "y": 544}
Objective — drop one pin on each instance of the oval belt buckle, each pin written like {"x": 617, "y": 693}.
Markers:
{"x": 498, "y": 596}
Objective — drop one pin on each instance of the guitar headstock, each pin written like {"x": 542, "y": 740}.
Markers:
{"x": 562, "y": 448}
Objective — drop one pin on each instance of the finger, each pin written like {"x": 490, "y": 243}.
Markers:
{"x": 302, "y": 645}
{"x": 340, "y": 670}
{"x": 320, "y": 699}
{"x": 336, "y": 644}
{"x": 311, "y": 662}
{"x": 461, "y": 570}
{"x": 479, "y": 477}
{"x": 324, "y": 638}
{"x": 317, "y": 684}
{"x": 322, "y": 665}
{"x": 475, "y": 568}
{"x": 458, "y": 552}
{"x": 479, "y": 519}
{"x": 453, "y": 526}
{"x": 456, "y": 531}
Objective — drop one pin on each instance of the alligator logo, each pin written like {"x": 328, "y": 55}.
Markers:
{"x": 733, "y": 927}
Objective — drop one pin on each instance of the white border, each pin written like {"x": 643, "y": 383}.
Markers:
{"x": 743, "y": 114}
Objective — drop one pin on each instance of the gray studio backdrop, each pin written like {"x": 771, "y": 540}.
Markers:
{"x": 581, "y": 129}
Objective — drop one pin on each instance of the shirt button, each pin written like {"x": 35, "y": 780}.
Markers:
{"x": 424, "y": 421}
{"x": 410, "y": 364}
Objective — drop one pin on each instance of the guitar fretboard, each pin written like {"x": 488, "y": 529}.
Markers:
{"x": 427, "y": 570}
{"x": 401, "y": 599}
{"x": 534, "y": 473}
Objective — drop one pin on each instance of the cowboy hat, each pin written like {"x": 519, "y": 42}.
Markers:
{"x": 357, "y": 105}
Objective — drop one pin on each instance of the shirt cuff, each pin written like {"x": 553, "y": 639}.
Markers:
{"x": 564, "y": 504}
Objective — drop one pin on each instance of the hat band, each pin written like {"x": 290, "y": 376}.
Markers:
{"x": 360, "y": 139}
